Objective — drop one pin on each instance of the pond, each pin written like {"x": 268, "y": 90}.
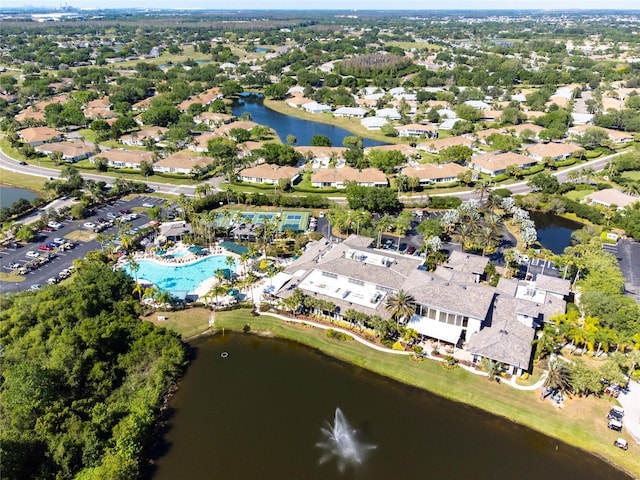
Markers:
{"x": 285, "y": 125}
{"x": 254, "y": 408}
{"x": 554, "y": 232}
{"x": 10, "y": 195}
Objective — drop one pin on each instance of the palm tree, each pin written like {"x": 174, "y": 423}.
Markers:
{"x": 492, "y": 368}
{"x": 482, "y": 188}
{"x": 218, "y": 289}
{"x": 400, "y": 306}
{"x": 558, "y": 376}
{"x": 230, "y": 262}
{"x": 464, "y": 235}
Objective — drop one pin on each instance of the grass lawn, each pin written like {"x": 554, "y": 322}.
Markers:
{"x": 187, "y": 323}
{"x": 581, "y": 422}
{"x": 12, "y": 277}
{"x": 578, "y": 195}
{"x": 631, "y": 175}
{"x": 81, "y": 236}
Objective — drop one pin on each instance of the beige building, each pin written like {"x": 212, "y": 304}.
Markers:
{"x": 268, "y": 173}
{"x": 338, "y": 177}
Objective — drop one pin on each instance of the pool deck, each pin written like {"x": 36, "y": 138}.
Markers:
{"x": 206, "y": 285}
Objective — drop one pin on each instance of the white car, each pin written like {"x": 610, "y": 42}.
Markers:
{"x": 54, "y": 225}
{"x": 89, "y": 225}
{"x": 147, "y": 205}
{"x": 32, "y": 254}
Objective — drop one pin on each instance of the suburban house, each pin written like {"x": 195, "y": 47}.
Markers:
{"x": 120, "y": 158}
{"x": 224, "y": 130}
{"x": 297, "y": 101}
{"x": 213, "y": 119}
{"x": 615, "y": 136}
{"x": 338, "y": 177}
{"x": 478, "y": 105}
{"x": 269, "y": 173}
{"x": 517, "y": 130}
{"x": 417, "y": 130}
{"x": 315, "y": 107}
{"x": 200, "y": 143}
{"x": 388, "y": 113}
{"x": 205, "y": 98}
{"x": 430, "y": 173}
{"x": 437, "y": 145}
{"x": 406, "y": 150}
{"x": 373, "y": 123}
{"x": 38, "y": 135}
{"x": 181, "y": 162}
{"x": 555, "y": 151}
{"x": 142, "y": 105}
{"x": 611, "y": 196}
{"x": 32, "y": 114}
{"x": 354, "y": 112}
{"x": 99, "y": 113}
{"x": 321, "y": 156}
{"x": 140, "y": 137}
{"x": 496, "y": 163}
{"x": 450, "y": 306}
{"x": 482, "y": 135}
{"x": 71, "y": 152}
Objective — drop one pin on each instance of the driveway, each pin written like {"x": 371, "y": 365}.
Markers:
{"x": 631, "y": 403}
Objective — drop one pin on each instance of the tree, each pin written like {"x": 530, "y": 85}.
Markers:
{"x": 493, "y": 368}
{"x": 320, "y": 141}
{"x": 401, "y": 306}
{"x": 544, "y": 182}
{"x": 558, "y": 376}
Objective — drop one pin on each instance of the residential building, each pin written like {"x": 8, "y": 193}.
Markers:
{"x": 213, "y": 119}
{"x": 71, "y": 151}
{"x": 315, "y": 107}
{"x": 616, "y": 136}
{"x": 388, "y": 113}
{"x": 373, "y": 123}
{"x": 555, "y": 151}
{"x": 120, "y": 158}
{"x": 141, "y": 137}
{"x": 181, "y": 162}
{"x": 38, "y": 135}
{"x": 338, "y": 177}
{"x": 174, "y": 231}
{"x": 223, "y": 130}
{"x": 297, "y": 101}
{"x": 496, "y": 163}
{"x": 407, "y": 150}
{"x": 436, "y": 145}
{"x": 417, "y": 130}
{"x": 430, "y": 173}
{"x": 269, "y": 173}
{"x": 354, "y": 112}
{"x": 611, "y": 196}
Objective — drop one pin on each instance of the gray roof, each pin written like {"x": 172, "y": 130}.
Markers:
{"x": 507, "y": 286}
{"x": 507, "y": 340}
{"x": 453, "y": 276}
{"x": 469, "y": 300}
{"x": 553, "y": 284}
{"x": 358, "y": 241}
{"x": 173, "y": 229}
{"x": 467, "y": 263}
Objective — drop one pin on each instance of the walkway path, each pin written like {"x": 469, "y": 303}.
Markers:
{"x": 511, "y": 382}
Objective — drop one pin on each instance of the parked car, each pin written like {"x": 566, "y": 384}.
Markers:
{"x": 47, "y": 228}
{"x": 54, "y": 225}
{"x": 45, "y": 248}
{"x": 32, "y": 254}
{"x": 112, "y": 215}
{"x": 410, "y": 250}
{"x": 616, "y": 413}
{"x": 35, "y": 286}
{"x": 147, "y": 205}
{"x": 621, "y": 443}
{"x": 89, "y": 225}
{"x": 14, "y": 245}
{"x": 615, "y": 425}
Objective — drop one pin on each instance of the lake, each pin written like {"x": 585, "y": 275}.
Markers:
{"x": 554, "y": 232}
{"x": 258, "y": 414}
{"x": 285, "y": 125}
{"x": 10, "y": 195}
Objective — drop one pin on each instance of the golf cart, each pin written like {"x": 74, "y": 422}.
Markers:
{"x": 621, "y": 443}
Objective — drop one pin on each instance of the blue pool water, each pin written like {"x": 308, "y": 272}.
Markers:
{"x": 181, "y": 279}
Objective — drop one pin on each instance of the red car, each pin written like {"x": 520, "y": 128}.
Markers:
{"x": 47, "y": 228}
{"x": 45, "y": 248}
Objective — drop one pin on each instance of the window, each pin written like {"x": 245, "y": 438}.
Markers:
{"x": 355, "y": 281}
{"x": 330, "y": 275}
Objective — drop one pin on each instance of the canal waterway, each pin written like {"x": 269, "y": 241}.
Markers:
{"x": 285, "y": 125}
{"x": 554, "y": 232}
{"x": 10, "y": 195}
{"x": 254, "y": 408}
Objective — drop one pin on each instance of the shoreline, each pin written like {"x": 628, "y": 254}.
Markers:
{"x": 521, "y": 415}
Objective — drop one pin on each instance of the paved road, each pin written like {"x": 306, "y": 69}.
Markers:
{"x": 630, "y": 401}
{"x": 520, "y": 188}
{"x": 13, "y": 165}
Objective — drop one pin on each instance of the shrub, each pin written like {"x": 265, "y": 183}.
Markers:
{"x": 397, "y": 346}
{"x": 342, "y": 337}
{"x": 246, "y": 328}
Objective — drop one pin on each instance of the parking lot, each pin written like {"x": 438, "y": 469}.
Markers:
{"x": 52, "y": 253}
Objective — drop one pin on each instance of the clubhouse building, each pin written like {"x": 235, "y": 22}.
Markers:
{"x": 451, "y": 303}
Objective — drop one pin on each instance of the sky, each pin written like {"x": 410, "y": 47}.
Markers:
{"x": 337, "y": 4}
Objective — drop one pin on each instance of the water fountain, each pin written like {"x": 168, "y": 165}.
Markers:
{"x": 341, "y": 442}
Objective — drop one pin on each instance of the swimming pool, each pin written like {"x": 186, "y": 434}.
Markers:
{"x": 181, "y": 279}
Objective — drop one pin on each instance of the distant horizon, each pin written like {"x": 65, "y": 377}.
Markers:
{"x": 330, "y": 5}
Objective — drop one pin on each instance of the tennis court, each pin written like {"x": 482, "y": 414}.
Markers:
{"x": 290, "y": 220}
{"x": 295, "y": 221}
